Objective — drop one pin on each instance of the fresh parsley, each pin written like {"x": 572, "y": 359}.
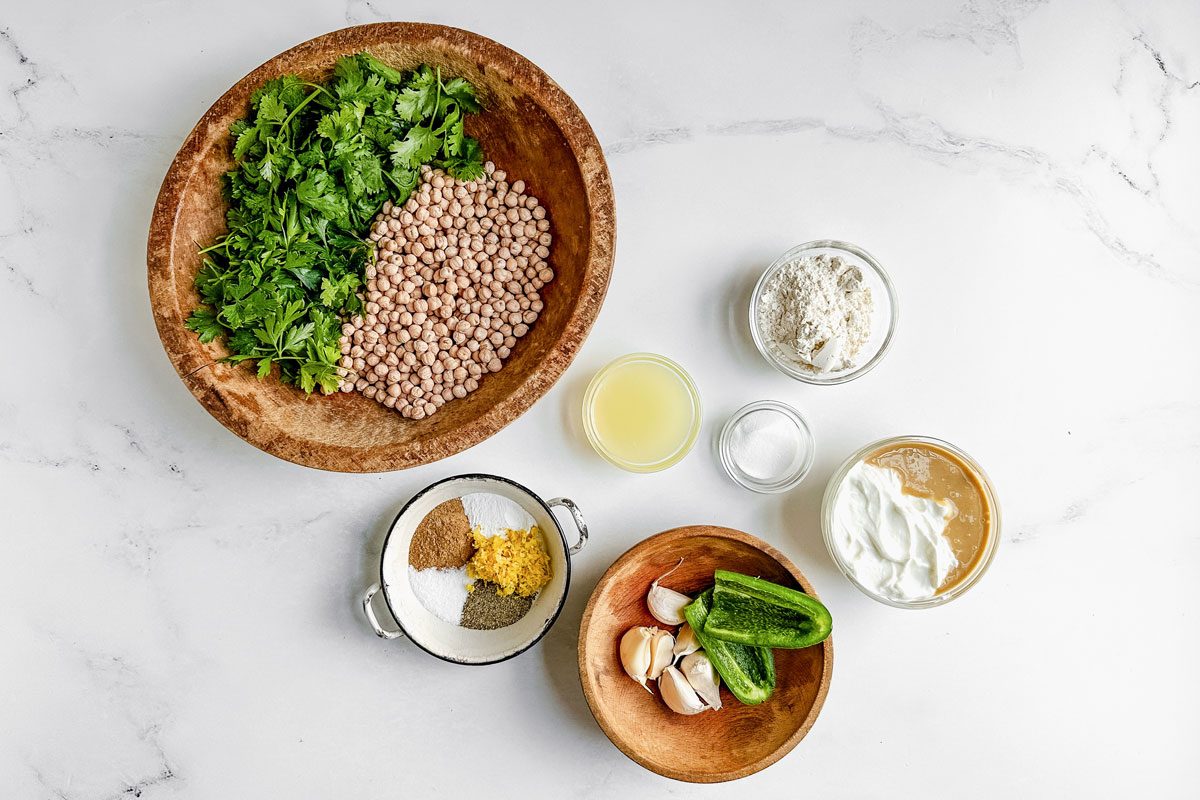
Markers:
{"x": 314, "y": 164}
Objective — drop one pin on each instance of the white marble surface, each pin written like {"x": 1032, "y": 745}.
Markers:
{"x": 178, "y": 610}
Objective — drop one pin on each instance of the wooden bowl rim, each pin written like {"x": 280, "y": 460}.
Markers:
{"x": 786, "y": 747}
{"x": 182, "y": 346}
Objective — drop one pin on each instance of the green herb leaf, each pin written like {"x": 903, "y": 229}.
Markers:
{"x": 419, "y": 98}
{"x": 313, "y": 166}
{"x": 348, "y": 77}
{"x": 204, "y": 322}
{"x": 308, "y": 276}
{"x": 379, "y": 68}
{"x": 462, "y": 92}
{"x": 245, "y": 141}
{"x": 318, "y": 192}
{"x": 417, "y": 147}
{"x": 468, "y": 165}
{"x": 270, "y": 109}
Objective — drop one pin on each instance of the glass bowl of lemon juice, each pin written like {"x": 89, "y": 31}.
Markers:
{"x": 642, "y": 412}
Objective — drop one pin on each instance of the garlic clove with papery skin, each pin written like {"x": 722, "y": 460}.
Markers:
{"x": 703, "y": 677}
{"x": 666, "y": 605}
{"x": 686, "y": 642}
{"x": 636, "y": 653}
{"x": 662, "y": 653}
{"x": 678, "y": 694}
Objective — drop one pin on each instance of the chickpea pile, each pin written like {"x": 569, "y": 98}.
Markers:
{"x": 454, "y": 285}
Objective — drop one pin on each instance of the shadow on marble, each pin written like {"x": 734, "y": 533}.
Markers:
{"x": 571, "y": 409}
{"x": 371, "y": 553}
{"x": 559, "y": 650}
{"x": 732, "y": 306}
{"x": 800, "y": 519}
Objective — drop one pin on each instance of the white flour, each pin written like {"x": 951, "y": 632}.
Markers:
{"x": 816, "y": 312}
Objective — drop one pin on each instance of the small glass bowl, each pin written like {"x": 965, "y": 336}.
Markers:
{"x": 990, "y": 546}
{"x": 597, "y": 441}
{"x": 805, "y": 442}
{"x": 883, "y": 315}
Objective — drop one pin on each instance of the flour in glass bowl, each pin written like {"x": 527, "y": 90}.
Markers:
{"x": 816, "y": 312}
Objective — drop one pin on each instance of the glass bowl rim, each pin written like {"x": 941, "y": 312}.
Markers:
{"x": 841, "y": 377}
{"x": 593, "y": 436}
{"x": 805, "y": 435}
{"x": 993, "y": 544}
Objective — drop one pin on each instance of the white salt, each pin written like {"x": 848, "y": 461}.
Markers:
{"x": 492, "y": 514}
{"x": 443, "y": 592}
{"x": 766, "y": 445}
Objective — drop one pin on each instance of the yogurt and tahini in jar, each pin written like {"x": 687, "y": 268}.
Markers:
{"x": 911, "y": 520}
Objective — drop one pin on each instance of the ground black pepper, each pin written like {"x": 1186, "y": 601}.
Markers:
{"x": 486, "y": 610}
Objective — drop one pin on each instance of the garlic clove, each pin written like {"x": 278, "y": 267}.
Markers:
{"x": 666, "y": 605}
{"x": 635, "y": 654}
{"x": 662, "y": 653}
{"x": 703, "y": 677}
{"x": 686, "y": 642}
{"x": 678, "y": 694}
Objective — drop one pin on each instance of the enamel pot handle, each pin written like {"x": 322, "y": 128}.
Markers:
{"x": 580, "y": 524}
{"x": 369, "y": 610}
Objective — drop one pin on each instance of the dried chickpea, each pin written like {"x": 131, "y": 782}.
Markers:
{"x": 454, "y": 286}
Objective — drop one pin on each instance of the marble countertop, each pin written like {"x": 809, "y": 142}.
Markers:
{"x": 179, "y": 610}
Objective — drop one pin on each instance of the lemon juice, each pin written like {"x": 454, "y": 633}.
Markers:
{"x": 642, "y": 412}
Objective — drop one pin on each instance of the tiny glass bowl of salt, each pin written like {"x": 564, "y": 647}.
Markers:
{"x": 824, "y": 313}
{"x": 766, "y": 447}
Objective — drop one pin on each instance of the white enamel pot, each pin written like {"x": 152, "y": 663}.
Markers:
{"x": 452, "y": 642}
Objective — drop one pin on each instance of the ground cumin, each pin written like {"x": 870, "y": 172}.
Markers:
{"x": 443, "y": 539}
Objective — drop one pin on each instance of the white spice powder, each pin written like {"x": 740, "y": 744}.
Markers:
{"x": 443, "y": 592}
{"x": 816, "y": 312}
{"x": 492, "y": 515}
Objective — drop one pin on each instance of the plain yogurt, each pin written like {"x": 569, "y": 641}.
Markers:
{"x": 894, "y": 544}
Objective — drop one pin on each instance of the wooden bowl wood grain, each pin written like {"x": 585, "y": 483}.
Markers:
{"x": 530, "y": 128}
{"x": 712, "y": 746}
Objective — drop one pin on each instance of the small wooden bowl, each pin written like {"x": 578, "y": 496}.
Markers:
{"x": 530, "y": 128}
{"x": 712, "y": 746}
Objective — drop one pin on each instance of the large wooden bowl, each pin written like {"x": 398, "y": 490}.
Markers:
{"x": 711, "y": 746}
{"x": 530, "y": 128}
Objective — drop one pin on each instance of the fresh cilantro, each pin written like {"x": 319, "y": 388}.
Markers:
{"x": 385, "y": 72}
{"x": 417, "y": 147}
{"x": 313, "y": 164}
{"x": 463, "y": 94}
